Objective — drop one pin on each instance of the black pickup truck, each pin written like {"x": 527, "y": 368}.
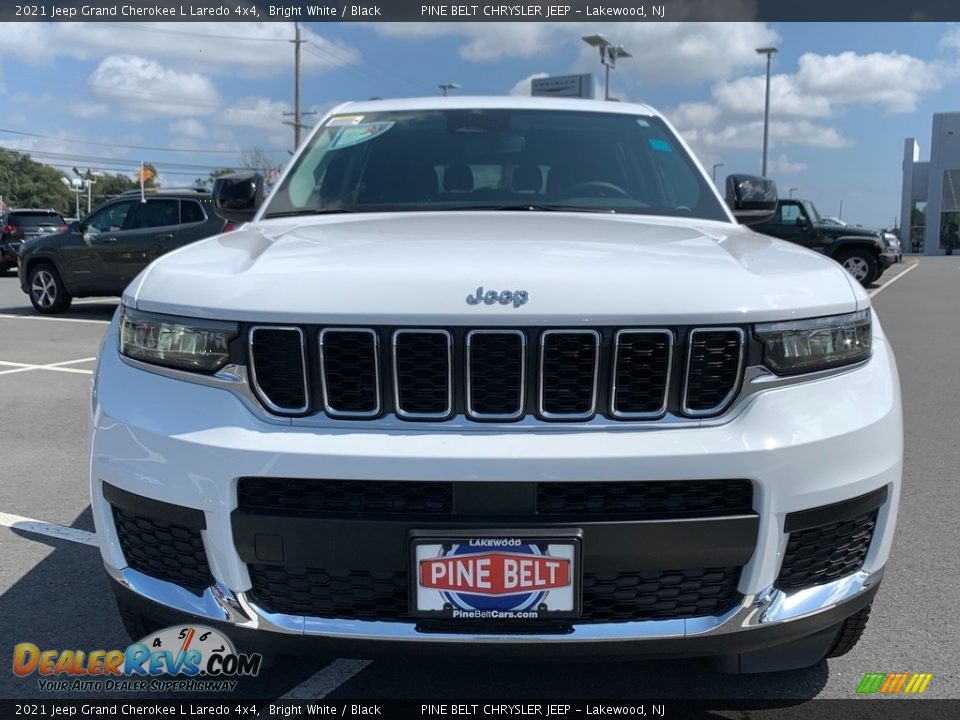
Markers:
{"x": 861, "y": 251}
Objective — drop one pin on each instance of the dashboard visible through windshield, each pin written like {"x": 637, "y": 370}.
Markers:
{"x": 495, "y": 159}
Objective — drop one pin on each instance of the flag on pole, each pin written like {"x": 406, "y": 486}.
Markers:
{"x": 145, "y": 174}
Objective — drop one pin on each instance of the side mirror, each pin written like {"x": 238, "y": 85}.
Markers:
{"x": 751, "y": 199}
{"x": 237, "y": 197}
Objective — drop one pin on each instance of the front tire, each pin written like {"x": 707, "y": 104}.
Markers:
{"x": 48, "y": 294}
{"x": 849, "y": 633}
{"x": 861, "y": 264}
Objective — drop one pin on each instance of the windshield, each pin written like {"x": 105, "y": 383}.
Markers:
{"x": 812, "y": 213}
{"x": 495, "y": 159}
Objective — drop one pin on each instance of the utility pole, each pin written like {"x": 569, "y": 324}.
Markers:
{"x": 769, "y": 52}
{"x": 297, "y": 115}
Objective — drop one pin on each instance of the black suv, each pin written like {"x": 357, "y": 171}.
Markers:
{"x": 861, "y": 251}
{"x": 103, "y": 252}
{"x": 21, "y": 225}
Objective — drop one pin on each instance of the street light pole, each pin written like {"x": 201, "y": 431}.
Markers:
{"x": 791, "y": 191}
{"x": 609, "y": 52}
{"x": 714, "y": 173}
{"x": 445, "y": 87}
{"x": 769, "y": 52}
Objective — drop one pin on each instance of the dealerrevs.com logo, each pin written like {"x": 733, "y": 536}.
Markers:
{"x": 190, "y": 658}
{"x": 901, "y": 683}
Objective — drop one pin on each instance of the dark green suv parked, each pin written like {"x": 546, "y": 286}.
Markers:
{"x": 864, "y": 253}
{"x": 103, "y": 252}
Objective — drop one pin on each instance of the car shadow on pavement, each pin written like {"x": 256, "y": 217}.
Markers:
{"x": 64, "y": 602}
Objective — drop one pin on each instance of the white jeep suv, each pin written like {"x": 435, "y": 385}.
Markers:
{"x": 499, "y": 375}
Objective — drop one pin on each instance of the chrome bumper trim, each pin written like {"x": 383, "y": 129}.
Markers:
{"x": 770, "y": 607}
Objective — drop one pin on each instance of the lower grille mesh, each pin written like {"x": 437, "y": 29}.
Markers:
{"x": 822, "y": 554}
{"x": 163, "y": 550}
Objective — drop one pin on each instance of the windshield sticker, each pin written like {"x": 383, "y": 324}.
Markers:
{"x": 660, "y": 145}
{"x": 642, "y": 123}
{"x": 349, "y": 136}
{"x": 341, "y": 120}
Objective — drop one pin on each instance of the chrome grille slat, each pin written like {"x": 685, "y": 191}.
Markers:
{"x": 492, "y": 398}
{"x": 283, "y": 390}
{"x": 568, "y": 374}
{"x": 640, "y": 376}
{"x": 423, "y": 373}
{"x": 350, "y": 372}
{"x": 714, "y": 370}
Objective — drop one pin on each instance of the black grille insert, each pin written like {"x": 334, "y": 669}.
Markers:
{"x": 822, "y": 554}
{"x": 607, "y": 597}
{"x": 423, "y": 381}
{"x": 713, "y": 370}
{"x": 350, "y": 372}
{"x": 568, "y": 373}
{"x": 495, "y": 374}
{"x": 338, "y": 497}
{"x": 163, "y": 550}
{"x": 278, "y": 368}
{"x": 646, "y": 500}
{"x": 641, "y": 373}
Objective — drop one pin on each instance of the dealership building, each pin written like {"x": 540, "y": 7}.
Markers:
{"x": 930, "y": 199}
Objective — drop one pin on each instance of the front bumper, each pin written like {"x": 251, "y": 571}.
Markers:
{"x": 802, "y": 447}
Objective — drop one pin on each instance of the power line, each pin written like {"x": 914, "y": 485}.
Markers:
{"x": 92, "y": 159}
{"x": 128, "y": 147}
{"x": 135, "y": 26}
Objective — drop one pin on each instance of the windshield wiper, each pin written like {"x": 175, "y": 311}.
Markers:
{"x": 316, "y": 211}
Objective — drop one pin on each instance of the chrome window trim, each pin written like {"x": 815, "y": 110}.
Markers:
{"x": 723, "y": 405}
{"x": 523, "y": 376}
{"x": 327, "y": 407}
{"x": 661, "y": 411}
{"x": 596, "y": 374}
{"x": 398, "y": 409}
{"x": 261, "y": 395}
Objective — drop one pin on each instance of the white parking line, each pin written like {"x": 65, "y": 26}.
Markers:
{"x": 888, "y": 284}
{"x": 58, "y": 367}
{"x": 325, "y": 681}
{"x": 54, "y": 530}
{"x": 11, "y": 316}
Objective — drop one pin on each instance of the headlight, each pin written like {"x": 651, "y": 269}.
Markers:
{"x": 183, "y": 343}
{"x": 818, "y": 344}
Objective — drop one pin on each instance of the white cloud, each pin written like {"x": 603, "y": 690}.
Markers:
{"x": 237, "y": 49}
{"x": 188, "y": 127}
{"x": 782, "y": 165}
{"x": 523, "y": 86}
{"x": 85, "y": 109}
{"x": 663, "y": 53}
{"x": 749, "y": 136}
{"x": 255, "y": 111}
{"x": 147, "y": 88}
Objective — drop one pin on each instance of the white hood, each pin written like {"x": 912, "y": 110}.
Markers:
{"x": 419, "y": 268}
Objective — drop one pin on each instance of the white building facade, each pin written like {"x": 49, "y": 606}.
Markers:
{"x": 930, "y": 198}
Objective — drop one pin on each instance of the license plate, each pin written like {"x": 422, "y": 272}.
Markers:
{"x": 487, "y": 577}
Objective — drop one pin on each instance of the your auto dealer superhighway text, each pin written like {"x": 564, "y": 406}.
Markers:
{"x": 548, "y": 710}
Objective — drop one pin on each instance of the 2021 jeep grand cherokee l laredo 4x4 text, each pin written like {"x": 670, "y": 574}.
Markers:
{"x": 502, "y": 374}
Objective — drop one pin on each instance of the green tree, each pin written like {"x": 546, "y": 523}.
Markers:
{"x": 27, "y": 183}
{"x": 110, "y": 185}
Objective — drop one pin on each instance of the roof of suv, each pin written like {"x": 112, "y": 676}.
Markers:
{"x": 167, "y": 192}
{"x": 503, "y": 102}
{"x": 33, "y": 211}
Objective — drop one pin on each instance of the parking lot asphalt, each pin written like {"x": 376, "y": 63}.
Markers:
{"x": 54, "y": 593}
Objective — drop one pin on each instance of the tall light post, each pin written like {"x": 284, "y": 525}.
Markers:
{"x": 769, "y": 52}
{"x": 792, "y": 191}
{"x": 713, "y": 174}
{"x": 609, "y": 52}
{"x": 75, "y": 185}
{"x": 446, "y": 87}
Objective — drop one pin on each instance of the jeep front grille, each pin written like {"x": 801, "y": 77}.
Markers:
{"x": 494, "y": 374}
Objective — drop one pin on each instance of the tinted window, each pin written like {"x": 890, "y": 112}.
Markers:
{"x": 109, "y": 219}
{"x": 462, "y": 159}
{"x": 789, "y": 214}
{"x": 191, "y": 212}
{"x": 157, "y": 213}
{"x": 38, "y": 219}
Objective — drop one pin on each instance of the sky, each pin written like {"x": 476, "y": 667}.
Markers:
{"x": 191, "y": 97}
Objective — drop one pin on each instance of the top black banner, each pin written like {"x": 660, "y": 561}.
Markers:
{"x": 522, "y": 11}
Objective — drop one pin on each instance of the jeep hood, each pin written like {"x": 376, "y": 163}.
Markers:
{"x": 577, "y": 268}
